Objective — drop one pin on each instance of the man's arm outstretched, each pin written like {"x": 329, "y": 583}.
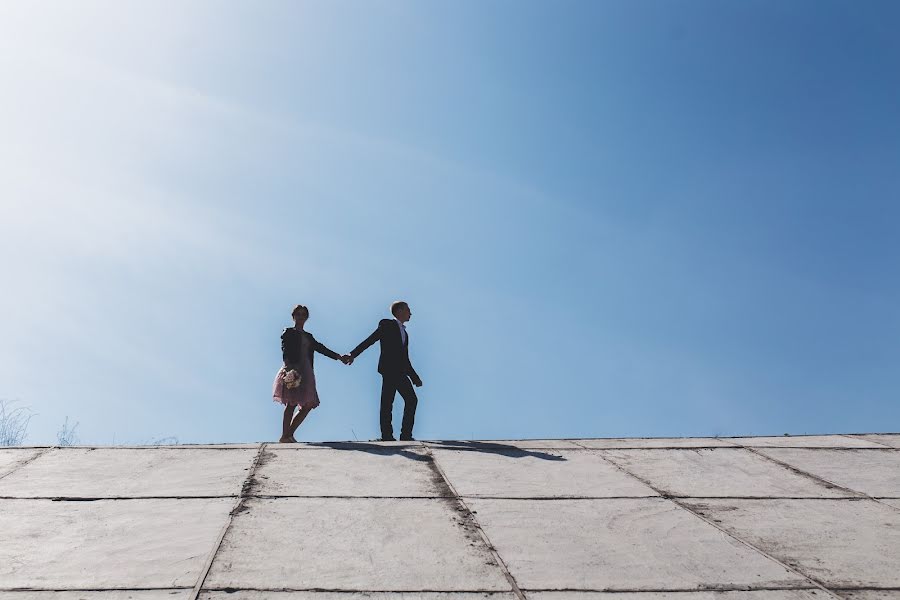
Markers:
{"x": 376, "y": 335}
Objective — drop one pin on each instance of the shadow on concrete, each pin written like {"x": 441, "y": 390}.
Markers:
{"x": 373, "y": 448}
{"x": 496, "y": 448}
{"x": 411, "y": 452}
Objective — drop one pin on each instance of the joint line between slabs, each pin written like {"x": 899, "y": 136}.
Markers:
{"x": 850, "y": 437}
{"x": 805, "y": 474}
{"x": 684, "y": 507}
{"x": 484, "y": 537}
{"x": 245, "y": 485}
{"x": 821, "y": 480}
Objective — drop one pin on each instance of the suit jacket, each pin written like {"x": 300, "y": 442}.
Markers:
{"x": 394, "y": 358}
{"x": 291, "y": 348}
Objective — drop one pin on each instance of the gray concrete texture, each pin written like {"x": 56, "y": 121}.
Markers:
{"x": 781, "y": 518}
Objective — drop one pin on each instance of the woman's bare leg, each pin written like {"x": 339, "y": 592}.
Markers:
{"x": 298, "y": 418}
{"x": 286, "y": 430}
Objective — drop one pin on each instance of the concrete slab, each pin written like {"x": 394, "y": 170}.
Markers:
{"x": 259, "y": 595}
{"x": 871, "y": 594}
{"x": 619, "y": 544}
{"x": 654, "y": 443}
{"x": 354, "y": 544}
{"x": 519, "y": 474}
{"x": 886, "y": 439}
{"x": 804, "y": 441}
{"x": 102, "y": 595}
{"x": 503, "y": 445}
{"x": 843, "y": 543}
{"x": 872, "y": 472}
{"x": 128, "y": 544}
{"x": 710, "y": 595}
{"x": 358, "y": 470}
{"x": 12, "y": 458}
{"x": 117, "y": 472}
{"x": 720, "y": 472}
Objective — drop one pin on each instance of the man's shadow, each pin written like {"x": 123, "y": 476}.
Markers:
{"x": 411, "y": 453}
{"x": 495, "y": 448}
{"x": 377, "y": 449}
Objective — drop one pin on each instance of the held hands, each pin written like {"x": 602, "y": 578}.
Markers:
{"x": 347, "y": 359}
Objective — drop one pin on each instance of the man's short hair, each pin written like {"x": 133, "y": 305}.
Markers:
{"x": 397, "y": 306}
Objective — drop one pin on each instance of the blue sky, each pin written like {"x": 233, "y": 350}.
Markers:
{"x": 632, "y": 218}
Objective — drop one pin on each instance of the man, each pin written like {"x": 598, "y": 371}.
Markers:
{"x": 396, "y": 370}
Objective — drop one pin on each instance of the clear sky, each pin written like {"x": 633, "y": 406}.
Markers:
{"x": 610, "y": 218}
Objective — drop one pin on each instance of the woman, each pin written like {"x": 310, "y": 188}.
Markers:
{"x": 297, "y": 348}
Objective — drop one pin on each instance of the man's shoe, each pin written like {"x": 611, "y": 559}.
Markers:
{"x": 407, "y": 438}
{"x": 388, "y": 439}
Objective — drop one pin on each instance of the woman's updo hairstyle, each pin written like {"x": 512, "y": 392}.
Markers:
{"x": 299, "y": 309}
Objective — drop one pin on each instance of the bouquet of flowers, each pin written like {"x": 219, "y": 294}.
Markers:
{"x": 291, "y": 379}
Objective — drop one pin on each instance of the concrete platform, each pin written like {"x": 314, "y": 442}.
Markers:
{"x": 130, "y": 544}
{"x": 11, "y": 458}
{"x": 550, "y": 474}
{"x": 130, "y": 473}
{"x": 625, "y": 443}
{"x": 780, "y": 518}
{"x": 103, "y": 595}
{"x": 842, "y": 544}
{"x": 347, "y": 471}
{"x": 719, "y": 472}
{"x": 620, "y": 544}
{"x": 873, "y": 472}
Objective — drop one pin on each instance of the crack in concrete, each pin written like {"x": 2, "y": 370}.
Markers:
{"x": 27, "y": 461}
{"x": 470, "y": 516}
{"x": 681, "y": 505}
{"x": 245, "y": 487}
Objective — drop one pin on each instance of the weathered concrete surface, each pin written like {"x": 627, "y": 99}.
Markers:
{"x": 654, "y": 443}
{"x": 347, "y": 520}
{"x": 619, "y": 544}
{"x": 843, "y": 543}
{"x": 355, "y": 544}
{"x": 721, "y": 472}
{"x": 543, "y": 474}
{"x": 108, "y": 473}
{"x": 708, "y": 595}
{"x": 887, "y": 439}
{"x": 805, "y": 441}
{"x": 12, "y": 458}
{"x": 103, "y": 595}
{"x": 872, "y": 472}
{"x": 359, "y": 470}
{"x": 257, "y": 595}
{"x": 107, "y": 543}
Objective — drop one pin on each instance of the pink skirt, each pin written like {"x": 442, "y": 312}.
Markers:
{"x": 303, "y": 396}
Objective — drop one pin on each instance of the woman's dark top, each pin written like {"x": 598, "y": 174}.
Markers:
{"x": 291, "y": 347}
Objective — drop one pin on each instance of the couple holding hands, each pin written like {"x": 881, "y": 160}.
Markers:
{"x": 295, "y": 383}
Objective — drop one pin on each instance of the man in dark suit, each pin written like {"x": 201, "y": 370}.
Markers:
{"x": 396, "y": 370}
